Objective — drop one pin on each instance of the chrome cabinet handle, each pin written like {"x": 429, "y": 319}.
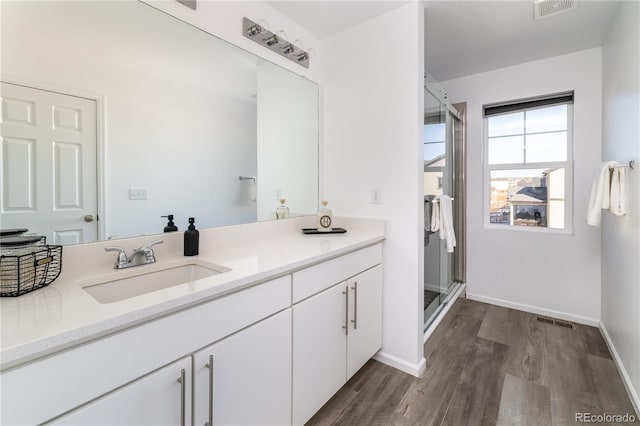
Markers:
{"x": 355, "y": 305}
{"x": 209, "y": 365}
{"x": 346, "y": 311}
{"x": 183, "y": 390}
{"x": 88, "y": 218}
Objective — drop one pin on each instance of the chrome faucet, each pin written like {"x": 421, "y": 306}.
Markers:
{"x": 140, "y": 256}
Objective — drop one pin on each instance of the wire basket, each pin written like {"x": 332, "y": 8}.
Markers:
{"x": 28, "y": 268}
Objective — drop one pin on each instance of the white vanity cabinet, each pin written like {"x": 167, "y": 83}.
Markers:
{"x": 270, "y": 353}
{"x": 319, "y": 351}
{"x": 245, "y": 379}
{"x": 336, "y": 331}
{"x": 124, "y": 361}
{"x": 160, "y": 398}
{"x": 365, "y": 318}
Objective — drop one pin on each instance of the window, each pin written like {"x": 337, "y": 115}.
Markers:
{"x": 528, "y": 164}
{"x": 434, "y": 152}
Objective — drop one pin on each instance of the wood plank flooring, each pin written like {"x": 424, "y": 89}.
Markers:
{"x": 488, "y": 365}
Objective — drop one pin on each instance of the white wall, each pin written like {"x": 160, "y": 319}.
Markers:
{"x": 621, "y": 235}
{"x": 287, "y": 142}
{"x": 548, "y": 273}
{"x": 372, "y": 138}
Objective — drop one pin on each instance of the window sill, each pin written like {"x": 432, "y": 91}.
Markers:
{"x": 529, "y": 229}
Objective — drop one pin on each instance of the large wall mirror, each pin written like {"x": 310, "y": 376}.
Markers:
{"x": 115, "y": 114}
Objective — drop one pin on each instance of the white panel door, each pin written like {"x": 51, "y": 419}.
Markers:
{"x": 48, "y": 156}
{"x": 365, "y": 318}
{"x": 250, "y": 379}
{"x": 319, "y": 350}
{"x": 159, "y": 398}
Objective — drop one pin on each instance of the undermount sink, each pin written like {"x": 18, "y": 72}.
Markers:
{"x": 147, "y": 279}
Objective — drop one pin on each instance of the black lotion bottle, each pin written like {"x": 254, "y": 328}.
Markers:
{"x": 191, "y": 239}
{"x": 171, "y": 227}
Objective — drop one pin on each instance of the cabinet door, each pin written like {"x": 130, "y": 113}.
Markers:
{"x": 319, "y": 350}
{"x": 365, "y": 318}
{"x": 160, "y": 398}
{"x": 251, "y": 376}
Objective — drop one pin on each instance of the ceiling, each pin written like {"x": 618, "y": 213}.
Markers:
{"x": 472, "y": 36}
{"x": 469, "y": 37}
{"x": 324, "y": 18}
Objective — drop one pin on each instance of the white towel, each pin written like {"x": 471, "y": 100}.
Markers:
{"x": 600, "y": 190}
{"x": 435, "y": 214}
{"x": 618, "y": 198}
{"x": 446, "y": 222}
{"x": 427, "y": 219}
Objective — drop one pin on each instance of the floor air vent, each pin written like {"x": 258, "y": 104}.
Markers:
{"x": 555, "y": 322}
{"x": 563, "y": 324}
{"x": 546, "y": 8}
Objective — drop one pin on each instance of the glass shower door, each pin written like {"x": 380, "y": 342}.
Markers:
{"x": 438, "y": 180}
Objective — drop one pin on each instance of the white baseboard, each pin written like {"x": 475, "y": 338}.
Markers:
{"x": 400, "y": 364}
{"x": 633, "y": 395}
{"x": 429, "y": 331}
{"x": 535, "y": 310}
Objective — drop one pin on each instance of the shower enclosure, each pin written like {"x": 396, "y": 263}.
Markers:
{"x": 443, "y": 174}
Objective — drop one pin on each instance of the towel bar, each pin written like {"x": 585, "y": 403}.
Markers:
{"x": 631, "y": 164}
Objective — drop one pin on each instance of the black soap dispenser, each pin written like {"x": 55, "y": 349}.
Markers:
{"x": 171, "y": 227}
{"x": 191, "y": 239}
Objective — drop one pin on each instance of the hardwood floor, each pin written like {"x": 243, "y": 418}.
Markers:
{"x": 488, "y": 365}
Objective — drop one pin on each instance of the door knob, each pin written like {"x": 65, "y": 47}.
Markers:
{"x": 88, "y": 218}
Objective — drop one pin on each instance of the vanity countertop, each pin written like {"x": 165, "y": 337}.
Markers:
{"x": 63, "y": 315}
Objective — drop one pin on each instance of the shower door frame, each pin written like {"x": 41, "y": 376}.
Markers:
{"x": 452, "y": 265}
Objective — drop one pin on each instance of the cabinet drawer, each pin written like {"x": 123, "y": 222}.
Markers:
{"x": 93, "y": 369}
{"x": 310, "y": 281}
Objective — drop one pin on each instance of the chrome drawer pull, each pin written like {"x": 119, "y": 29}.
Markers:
{"x": 209, "y": 365}
{"x": 346, "y": 312}
{"x": 183, "y": 390}
{"x": 355, "y": 305}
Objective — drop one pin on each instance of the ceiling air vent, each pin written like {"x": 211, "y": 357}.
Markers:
{"x": 546, "y": 8}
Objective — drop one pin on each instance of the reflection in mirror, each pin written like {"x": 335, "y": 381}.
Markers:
{"x": 114, "y": 114}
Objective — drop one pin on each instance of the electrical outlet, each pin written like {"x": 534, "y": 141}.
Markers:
{"x": 278, "y": 193}
{"x": 138, "y": 194}
{"x": 376, "y": 196}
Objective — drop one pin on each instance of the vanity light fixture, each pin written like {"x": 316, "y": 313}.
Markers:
{"x": 254, "y": 30}
{"x": 289, "y": 48}
{"x": 274, "y": 42}
{"x": 191, "y": 4}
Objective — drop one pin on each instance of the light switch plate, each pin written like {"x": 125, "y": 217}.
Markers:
{"x": 138, "y": 194}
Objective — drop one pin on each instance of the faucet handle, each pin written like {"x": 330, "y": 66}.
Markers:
{"x": 148, "y": 251}
{"x": 122, "y": 256}
{"x": 156, "y": 242}
{"x": 147, "y": 247}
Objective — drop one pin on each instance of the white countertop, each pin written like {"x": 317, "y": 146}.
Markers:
{"x": 63, "y": 315}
